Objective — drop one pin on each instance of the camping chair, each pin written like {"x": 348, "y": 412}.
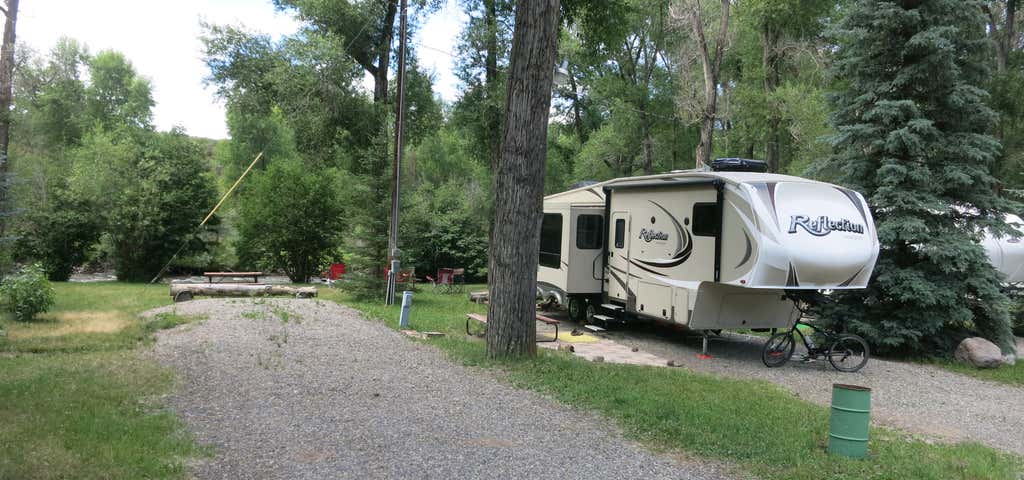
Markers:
{"x": 407, "y": 277}
{"x": 444, "y": 281}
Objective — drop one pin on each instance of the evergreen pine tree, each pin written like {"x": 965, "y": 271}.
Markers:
{"x": 912, "y": 136}
{"x": 369, "y": 198}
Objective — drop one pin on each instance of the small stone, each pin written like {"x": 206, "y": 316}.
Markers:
{"x": 635, "y": 349}
{"x": 671, "y": 363}
{"x": 598, "y": 358}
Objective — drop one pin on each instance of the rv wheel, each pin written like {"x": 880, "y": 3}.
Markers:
{"x": 577, "y": 308}
{"x": 591, "y": 311}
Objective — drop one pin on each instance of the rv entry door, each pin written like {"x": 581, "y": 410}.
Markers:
{"x": 617, "y": 267}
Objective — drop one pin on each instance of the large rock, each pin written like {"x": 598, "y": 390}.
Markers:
{"x": 979, "y": 352}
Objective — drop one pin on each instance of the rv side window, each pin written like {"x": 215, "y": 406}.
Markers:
{"x": 551, "y": 240}
{"x": 588, "y": 231}
{"x": 620, "y": 233}
{"x": 705, "y": 219}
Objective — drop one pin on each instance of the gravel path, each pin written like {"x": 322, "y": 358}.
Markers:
{"x": 319, "y": 392}
{"x": 917, "y": 398}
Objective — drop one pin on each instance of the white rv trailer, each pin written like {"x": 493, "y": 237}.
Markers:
{"x": 1006, "y": 254}
{"x": 708, "y": 250}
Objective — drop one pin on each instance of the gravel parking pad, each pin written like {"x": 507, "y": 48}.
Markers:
{"x": 309, "y": 389}
{"x": 917, "y": 398}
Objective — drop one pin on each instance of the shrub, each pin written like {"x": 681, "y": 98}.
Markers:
{"x": 27, "y": 293}
{"x": 1017, "y": 316}
{"x": 290, "y": 219}
{"x": 60, "y": 234}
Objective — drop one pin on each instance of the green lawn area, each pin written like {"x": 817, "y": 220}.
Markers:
{"x": 756, "y": 425}
{"x": 1011, "y": 375}
{"x": 77, "y": 401}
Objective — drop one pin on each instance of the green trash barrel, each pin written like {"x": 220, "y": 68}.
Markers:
{"x": 851, "y": 418}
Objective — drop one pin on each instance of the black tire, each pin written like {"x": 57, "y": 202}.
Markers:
{"x": 778, "y": 349}
{"x": 577, "y": 309}
{"x": 591, "y": 310}
{"x": 848, "y": 353}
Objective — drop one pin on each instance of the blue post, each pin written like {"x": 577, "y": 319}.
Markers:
{"x": 403, "y": 320}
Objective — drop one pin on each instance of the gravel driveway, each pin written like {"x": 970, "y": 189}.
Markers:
{"x": 917, "y": 398}
{"x": 306, "y": 389}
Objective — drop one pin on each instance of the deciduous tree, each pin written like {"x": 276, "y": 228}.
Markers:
{"x": 519, "y": 181}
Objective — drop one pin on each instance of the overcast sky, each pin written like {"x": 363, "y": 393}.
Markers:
{"x": 161, "y": 38}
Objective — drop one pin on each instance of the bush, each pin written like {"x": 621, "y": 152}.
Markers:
{"x": 60, "y": 234}
{"x": 290, "y": 219}
{"x": 27, "y": 293}
{"x": 1017, "y": 316}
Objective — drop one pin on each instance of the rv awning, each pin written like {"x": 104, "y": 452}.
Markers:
{"x": 663, "y": 183}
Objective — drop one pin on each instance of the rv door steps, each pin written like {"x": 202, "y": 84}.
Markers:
{"x": 603, "y": 318}
{"x": 593, "y": 328}
{"x": 612, "y": 307}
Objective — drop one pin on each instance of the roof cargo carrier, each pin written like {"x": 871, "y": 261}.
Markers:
{"x": 738, "y": 165}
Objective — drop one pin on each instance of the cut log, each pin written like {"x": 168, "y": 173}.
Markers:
{"x": 185, "y": 291}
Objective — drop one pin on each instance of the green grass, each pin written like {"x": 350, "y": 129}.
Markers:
{"x": 755, "y": 425}
{"x": 88, "y": 317}
{"x": 77, "y": 401}
{"x": 1010, "y": 375}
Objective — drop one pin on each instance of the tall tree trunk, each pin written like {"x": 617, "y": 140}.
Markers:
{"x": 491, "y": 55}
{"x": 577, "y": 111}
{"x": 380, "y": 74}
{"x": 1010, "y": 33}
{"x": 6, "y": 79}
{"x": 648, "y": 143}
{"x": 1004, "y": 36}
{"x": 711, "y": 64}
{"x": 519, "y": 182}
{"x": 770, "y": 62}
{"x": 492, "y": 111}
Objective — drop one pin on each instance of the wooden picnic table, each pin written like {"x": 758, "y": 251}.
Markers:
{"x": 211, "y": 275}
{"x": 540, "y": 318}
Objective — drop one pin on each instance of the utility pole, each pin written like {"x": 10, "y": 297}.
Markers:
{"x": 393, "y": 252}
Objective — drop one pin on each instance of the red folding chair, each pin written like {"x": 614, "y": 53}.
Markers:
{"x": 444, "y": 283}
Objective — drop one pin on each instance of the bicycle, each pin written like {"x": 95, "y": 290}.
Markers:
{"x": 845, "y": 351}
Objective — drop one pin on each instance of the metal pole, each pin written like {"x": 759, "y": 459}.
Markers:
{"x": 389, "y": 297}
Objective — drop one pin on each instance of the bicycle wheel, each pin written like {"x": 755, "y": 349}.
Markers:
{"x": 778, "y": 349}
{"x": 848, "y": 353}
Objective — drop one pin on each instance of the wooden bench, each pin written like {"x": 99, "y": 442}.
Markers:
{"x": 540, "y": 318}
{"x": 211, "y": 275}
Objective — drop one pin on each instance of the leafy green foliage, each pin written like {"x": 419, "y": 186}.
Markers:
{"x": 27, "y": 293}
{"x": 117, "y": 97}
{"x": 60, "y": 233}
{"x": 163, "y": 190}
{"x": 912, "y": 135}
{"x": 290, "y": 219}
{"x": 370, "y": 201}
